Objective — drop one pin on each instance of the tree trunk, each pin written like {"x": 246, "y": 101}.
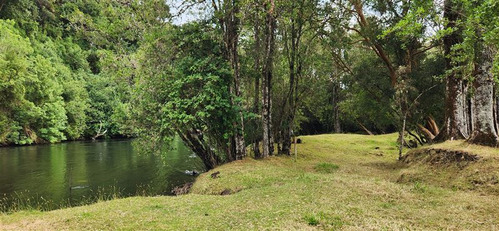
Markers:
{"x": 294, "y": 59}
{"x": 456, "y": 119}
{"x": 335, "y": 105}
{"x": 402, "y": 137}
{"x": 456, "y": 113}
{"x": 257, "y": 138}
{"x": 257, "y": 70}
{"x": 484, "y": 118}
{"x": 200, "y": 148}
{"x": 230, "y": 25}
{"x": 495, "y": 107}
{"x": 267, "y": 74}
{"x": 364, "y": 128}
{"x": 376, "y": 47}
{"x": 287, "y": 137}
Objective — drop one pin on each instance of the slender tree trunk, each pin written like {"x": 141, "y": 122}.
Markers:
{"x": 364, "y": 128}
{"x": 267, "y": 74}
{"x": 294, "y": 67}
{"x": 240, "y": 151}
{"x": 469, "y": 116}
{"x": 402, "y": 137}
{"x": 495, "y": 107}
{"x": 456, "y": 118}
{"x": 376, "y": 47}
{"x": 484, "y": 118}
{"x": 257, "y": 70}
{"x": 335, "y": 105}
{"x": 287, "y": 137}
{"x": 230, "y": 23}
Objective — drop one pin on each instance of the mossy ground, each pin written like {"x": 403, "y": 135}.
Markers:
{"x": 337, "y": 182}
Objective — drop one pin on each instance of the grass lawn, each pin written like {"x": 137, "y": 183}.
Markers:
{"x": 345, "y": 181}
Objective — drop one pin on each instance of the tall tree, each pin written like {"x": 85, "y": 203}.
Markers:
{"x": 456, "y": 102}
{"x": 267, "y": 76}
{"x": 297, "y": 21}
{"x": 398, "y": 38}
{"x": 254, "y": 20}
{"x": 227, "y": 14}
{"x": 481, "y": 42}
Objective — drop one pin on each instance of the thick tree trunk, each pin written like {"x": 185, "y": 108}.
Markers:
{"x": 196, "y": 143}
{"x": 456, "y": 114}
{"x": 484, "y": 118}
{"x": 267, "y": 74}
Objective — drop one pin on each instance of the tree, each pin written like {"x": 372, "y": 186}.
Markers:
{"x": 479, "y": 49}
{"x": 183, "y": 90}
{"x": 470, "y": 52}
{"x": 298, "y": 20}
{"x": 484, "y": 128}
{"x": 456, "y": 115}
{"x": 227, "y": 14}
{"x": 267, "y": 76}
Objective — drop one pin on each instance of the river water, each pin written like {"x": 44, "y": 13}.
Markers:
{"x": 74, "y": 173}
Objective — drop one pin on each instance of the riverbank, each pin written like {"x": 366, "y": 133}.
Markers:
{"x": 84, "y": 139}
{"x": 338, "y": 181}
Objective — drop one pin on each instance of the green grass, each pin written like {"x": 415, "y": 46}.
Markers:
{"x": 480, "y": 176}
{"x": 337, "y": 182}
{"x": 311, "y": 220}
{"x": 326, "y": 167}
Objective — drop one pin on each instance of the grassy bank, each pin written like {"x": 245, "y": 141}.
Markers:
{"x": 337, "y": 182}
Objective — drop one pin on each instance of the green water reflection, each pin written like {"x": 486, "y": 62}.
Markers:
{"x": 75, "y": 172}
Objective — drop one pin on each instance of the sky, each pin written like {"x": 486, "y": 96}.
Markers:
{"x": 191, "y": 14}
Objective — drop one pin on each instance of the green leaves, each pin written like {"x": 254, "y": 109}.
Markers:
{"x": 418, "y": 21}
{"x": 191, "y": 91}
{"x": 477, "y": 27}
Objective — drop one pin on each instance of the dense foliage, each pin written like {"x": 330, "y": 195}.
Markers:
{"x": 66, "y": 69}
{"x": 253, "y": 69}
{"x": 183, "y": 88}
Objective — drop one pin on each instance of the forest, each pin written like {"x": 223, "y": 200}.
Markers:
{"x": 248, "y": 73}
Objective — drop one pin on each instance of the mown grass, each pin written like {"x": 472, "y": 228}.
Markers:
{"x": 337, "y": 182}
{"x": 326, "y": 167}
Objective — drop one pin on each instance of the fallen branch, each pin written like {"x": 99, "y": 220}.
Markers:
{"x": 99, "y": 133}
{"x": 364, "y": 128}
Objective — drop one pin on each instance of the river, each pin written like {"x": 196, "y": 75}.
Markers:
{"x": 81, "y": 172}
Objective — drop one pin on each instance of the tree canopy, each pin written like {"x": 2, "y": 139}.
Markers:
{"x": 248, "y": 72}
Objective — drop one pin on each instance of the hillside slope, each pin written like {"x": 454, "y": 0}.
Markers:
{"x": 343, "y": 181}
